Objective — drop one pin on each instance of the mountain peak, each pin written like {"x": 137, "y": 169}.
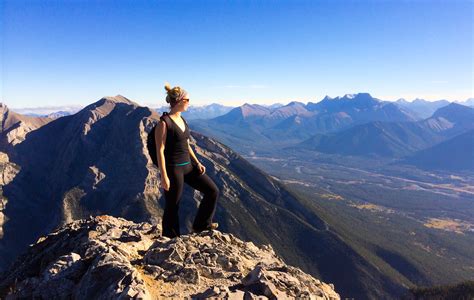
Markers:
{"x": 419, "y": 100}
{"x": 118, "y": 99}
{"x": 327, "y": 98}
{"x": 349, "y": 96}
{"x": 363, "y": 98}
{"x": 108, "y": 257}
{"x": 357, "y": 97}
{"x": 293, "y": 103}
{"x": 105, "y": 105}
{"x": 402, "y": 100}
{"x": 254, "y": 110}
{"x": 362, "y": 95}
{"x": 455, "y": 111}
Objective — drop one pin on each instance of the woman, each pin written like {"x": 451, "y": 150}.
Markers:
{"x": 179, "y": 164}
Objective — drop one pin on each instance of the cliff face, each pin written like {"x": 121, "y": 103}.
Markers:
{"x": 107, "y": 257}
{"x": 8, "y": 171}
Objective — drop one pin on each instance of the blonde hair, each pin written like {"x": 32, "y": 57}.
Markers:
{"x": 175, "y": 94}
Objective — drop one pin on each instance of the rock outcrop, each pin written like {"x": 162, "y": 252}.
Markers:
{"x": 108, "y": 257}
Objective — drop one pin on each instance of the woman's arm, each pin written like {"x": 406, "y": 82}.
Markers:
{"x": 191, "y": 153}
{"x": 160, "y": 138}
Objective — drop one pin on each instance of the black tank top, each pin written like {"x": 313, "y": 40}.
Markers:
{"x": 176, "y": 146}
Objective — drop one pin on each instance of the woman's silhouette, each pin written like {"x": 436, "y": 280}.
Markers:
{"x": 178, "y": 165}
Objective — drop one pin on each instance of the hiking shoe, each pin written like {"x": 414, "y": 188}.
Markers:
{"x": 213, "y": 226}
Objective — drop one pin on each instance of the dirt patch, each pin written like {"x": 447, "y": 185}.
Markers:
{"x": 331, "y": 197}
{"x": 453, "y": 225}
{"x": 373, "y": 208}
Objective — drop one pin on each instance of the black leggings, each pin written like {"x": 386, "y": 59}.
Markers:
{"x": 202, "y": 182}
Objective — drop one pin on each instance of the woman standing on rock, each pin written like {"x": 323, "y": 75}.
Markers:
{"x": 178, "y": 164}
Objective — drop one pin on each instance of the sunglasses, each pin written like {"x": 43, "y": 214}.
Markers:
{"x": 187, "y": 100}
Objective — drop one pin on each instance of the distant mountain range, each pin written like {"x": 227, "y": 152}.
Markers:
{"x": 355, "y": 124}
{"x": 51, "y": 111}
{"x": 422, "y": 108}
{"x": 468, "y": 102}
{"x": 200, "y": 112}
{"x": 419, "y": 107}
{"x": 295, "y": 122}
{"x": 394, "y": 139}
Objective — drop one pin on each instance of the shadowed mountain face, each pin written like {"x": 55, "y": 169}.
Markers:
{"x": 455, "y": 154}
{"x": 95, "y": 162}
{"x": 388, "y": 139}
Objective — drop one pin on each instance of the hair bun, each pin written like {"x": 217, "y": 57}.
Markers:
{"x": 172, "y": 91}
{"x": 167, "y": 87}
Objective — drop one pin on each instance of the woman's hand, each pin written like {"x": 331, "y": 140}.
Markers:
{"x": 201, "y": 168}
{"x": 165, "y": 183}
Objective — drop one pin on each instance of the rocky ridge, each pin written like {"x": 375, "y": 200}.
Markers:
{"x": 108, "y": 257}
{"x": 14, "y": 127}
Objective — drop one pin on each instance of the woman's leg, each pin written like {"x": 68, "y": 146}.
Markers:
{"x": 207, "y": 208}
{"x": 170, "y": 221}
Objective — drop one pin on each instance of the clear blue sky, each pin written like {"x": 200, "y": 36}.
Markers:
{"x": 231, "y": 52}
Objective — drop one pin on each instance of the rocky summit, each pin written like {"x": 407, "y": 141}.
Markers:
{"x": 107, "y": 257}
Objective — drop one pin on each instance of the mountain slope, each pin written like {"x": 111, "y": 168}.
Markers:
{"x": 391, "y": 139}
{"x": 451, "y": 120}
{"x": 455, "y": 154}
{"x": 244, "y": 113}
